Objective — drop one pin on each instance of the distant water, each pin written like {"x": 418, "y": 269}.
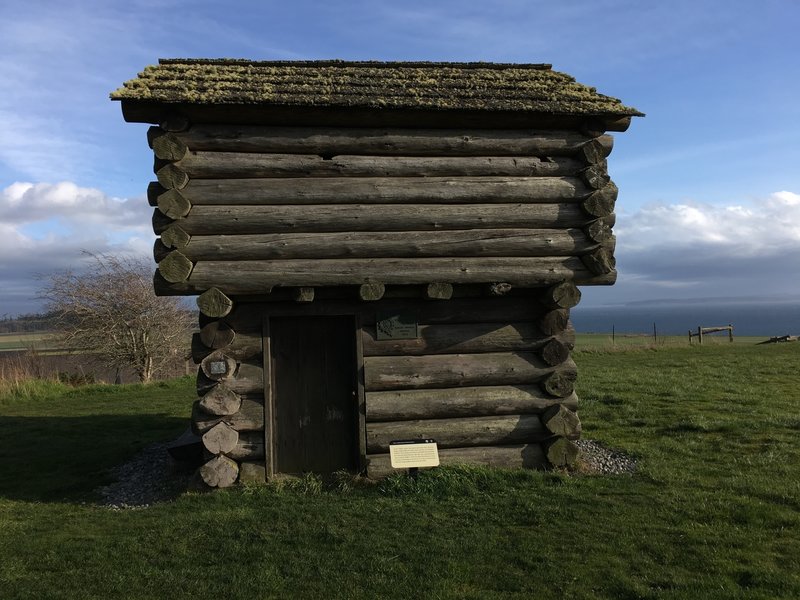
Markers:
{"x": 748, "y": 318}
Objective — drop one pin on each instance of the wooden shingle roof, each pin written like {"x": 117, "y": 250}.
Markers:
{"x": 432, "y": 86}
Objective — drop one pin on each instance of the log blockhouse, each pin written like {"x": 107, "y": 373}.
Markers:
{"x": 381, "y": 251}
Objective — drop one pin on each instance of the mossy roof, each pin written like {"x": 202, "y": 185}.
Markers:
{"x": 392, "y": 85}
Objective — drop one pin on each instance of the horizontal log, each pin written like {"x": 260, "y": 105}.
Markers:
{"x": 250, "y": 417}
{"x": 382, "y": 190}
{"x": 219, "y": 472}
{"x": 250, "y": 446}
{"x": 459, "y": 433}
{"x": 400, "y": 405}
{"x": 245, "y": 346}
{"x": 254, "y": 277}
{"x": 527, "y": 456}
{"x": 245, "y": 165}
{"x": 456, "y": 370}
{"x": 460, "y": 338}
{"x": 235, "y": 220}
{"x": 383, "y": 244}
{"x": 247, "y": 379}
{"x": 383, "y": 142}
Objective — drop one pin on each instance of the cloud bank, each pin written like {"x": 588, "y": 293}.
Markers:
{"x": 48, "y": 227}
{"x": 686, "y": 250}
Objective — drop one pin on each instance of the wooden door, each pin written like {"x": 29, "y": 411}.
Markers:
{"x": 314, "y": 399}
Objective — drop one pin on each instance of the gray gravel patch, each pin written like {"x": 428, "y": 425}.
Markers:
{"x": 598, "y": 459}
{"x": 148, "y": 477}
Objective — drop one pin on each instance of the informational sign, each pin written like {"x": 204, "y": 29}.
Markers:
{"x": 397, "y": 326}
{"x": 411, "y": 454}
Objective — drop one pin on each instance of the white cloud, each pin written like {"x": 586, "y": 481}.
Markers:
{"x": 48, "y": 227}
{"x": 698, "y": 249}
{"x": 24, "y": 203}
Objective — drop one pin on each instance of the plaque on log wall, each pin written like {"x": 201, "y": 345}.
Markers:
{"x": 396, "y": 326}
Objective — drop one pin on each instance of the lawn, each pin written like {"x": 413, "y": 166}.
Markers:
{"x": 713, "y": 511}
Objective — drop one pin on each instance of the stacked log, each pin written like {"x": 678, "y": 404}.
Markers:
{"x": 492, "y": 383}
{"x": 247, "y": 209}
{"x": 229, "y": 413}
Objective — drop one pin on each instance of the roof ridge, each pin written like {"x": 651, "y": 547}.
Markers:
{"x": 355, "y": 63}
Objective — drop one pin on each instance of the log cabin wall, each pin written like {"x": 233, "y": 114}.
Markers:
{"x": 249, "y": 208}
{"x": 474, "y": 195}
{"x": 490, "y": 378}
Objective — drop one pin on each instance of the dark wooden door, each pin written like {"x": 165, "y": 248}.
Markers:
{"x": 314, "y": 403}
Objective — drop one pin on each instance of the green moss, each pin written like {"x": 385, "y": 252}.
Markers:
{"x": 440, "y": 86}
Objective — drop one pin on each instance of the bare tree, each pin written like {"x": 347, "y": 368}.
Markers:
{"x": 111, "y": 311}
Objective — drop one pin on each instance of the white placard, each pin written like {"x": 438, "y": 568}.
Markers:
{"x": 410, "y": 454}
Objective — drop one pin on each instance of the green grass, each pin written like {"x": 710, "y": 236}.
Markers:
{"x": 713, "y": 512}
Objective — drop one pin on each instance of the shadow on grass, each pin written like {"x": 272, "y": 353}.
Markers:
{"x": 51, "y": 459}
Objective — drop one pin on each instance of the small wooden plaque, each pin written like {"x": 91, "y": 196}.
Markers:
{"x": 411, "y": 454}
{"x": 396, "y": 326}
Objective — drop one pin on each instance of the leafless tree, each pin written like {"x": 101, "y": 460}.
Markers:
{"x": 111, "y": 311}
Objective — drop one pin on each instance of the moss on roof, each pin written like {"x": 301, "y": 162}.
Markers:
{"x": 400, "y": 85}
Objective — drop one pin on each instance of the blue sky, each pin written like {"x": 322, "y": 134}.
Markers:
{"x": 710, "y": 184}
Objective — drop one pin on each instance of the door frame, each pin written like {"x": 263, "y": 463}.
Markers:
{"x": 269, "y": 381}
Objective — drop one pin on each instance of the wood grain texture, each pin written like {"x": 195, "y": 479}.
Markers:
{"x": 380, "y": 190}
{"x": 253, "y": 277}
{"x": 382, "y": 244}
{"x": 383, "y": 142}
{"x": 457, "y": 433}
{"x": 249, "y": 417}
{"x": 457, "y": 370}
{"x": 400, "y": 405}
{"x": 244, "y": 165}
{"x": 237, "y": 220}
{"x": 515, "y": 456}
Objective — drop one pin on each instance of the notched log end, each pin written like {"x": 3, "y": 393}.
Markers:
{"x": 561, "y": 453}
{"x": 214, "y": 303}
{"x": 174, "y": 204}
{"x": 561, "y": 421}
{"x": 370, "y": 292}
{"x": 600, "y": 261}
{"x": 168, "y": 147}
{"x": 439, "y": 291}
{"x": 175, "y": 267}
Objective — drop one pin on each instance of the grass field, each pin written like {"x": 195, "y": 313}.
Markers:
{"x": 713, "y": 512}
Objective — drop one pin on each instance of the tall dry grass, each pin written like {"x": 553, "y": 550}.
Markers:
{"x": 24, "y": 375}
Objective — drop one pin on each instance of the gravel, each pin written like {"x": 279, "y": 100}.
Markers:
{"x": 150, "y": 476}
{"x": 597, "y": 459}
{"x": 153, "y": 476}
